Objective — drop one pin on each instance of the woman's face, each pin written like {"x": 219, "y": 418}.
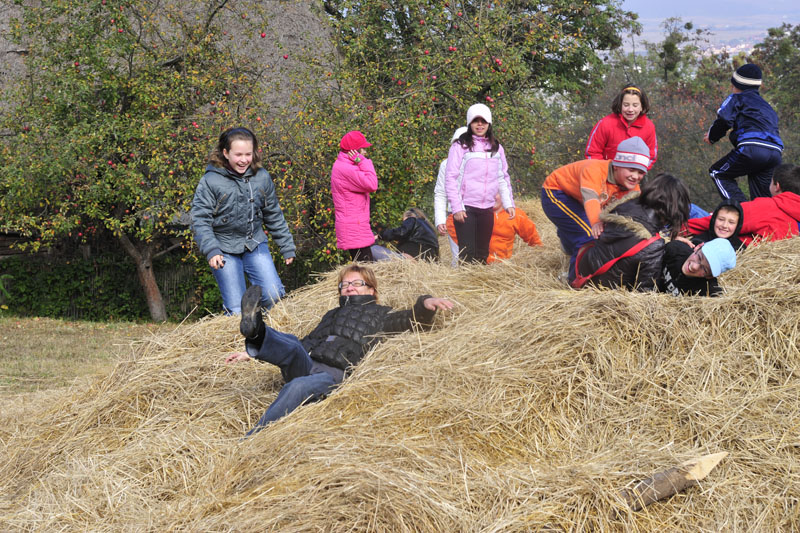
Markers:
{"x": 631, "y": 107}
{"x": 349, "y": 289}
{"x": 479, "y": 127}
{"x": 240, "y": 155}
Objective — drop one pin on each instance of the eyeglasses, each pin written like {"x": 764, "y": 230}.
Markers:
{"x": 704, "y": 266}
{"x": 354, "y": 283}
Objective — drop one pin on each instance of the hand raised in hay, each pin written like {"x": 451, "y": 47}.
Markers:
{"x": 314, "y": 365}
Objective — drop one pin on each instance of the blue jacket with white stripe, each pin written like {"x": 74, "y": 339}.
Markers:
{"x": 750, "y": 118}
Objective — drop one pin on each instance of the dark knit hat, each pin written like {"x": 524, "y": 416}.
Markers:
{"x": 632, "y": 153}
{"x": 748, "y": 76}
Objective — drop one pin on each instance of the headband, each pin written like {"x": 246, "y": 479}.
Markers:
{"x": 632, "y": 89}
{"x": 240, "y": 129}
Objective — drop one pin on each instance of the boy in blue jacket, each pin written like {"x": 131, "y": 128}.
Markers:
{"x": 757, "y": 145}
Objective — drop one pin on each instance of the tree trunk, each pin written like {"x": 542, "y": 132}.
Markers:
{"x": 143, "y": 258}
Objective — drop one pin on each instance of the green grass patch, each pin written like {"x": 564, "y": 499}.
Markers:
{"x": 43, "y": 353}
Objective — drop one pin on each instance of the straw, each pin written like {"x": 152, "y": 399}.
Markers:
{"x": 528, "y": 408}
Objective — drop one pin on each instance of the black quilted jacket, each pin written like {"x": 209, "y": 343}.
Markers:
{"x": 345, "y": 334}
{"x": 626, "y": 223}
{"x": 415, "y": 238}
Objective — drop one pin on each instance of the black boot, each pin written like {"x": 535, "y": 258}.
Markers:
{"x": 252, "y": 324}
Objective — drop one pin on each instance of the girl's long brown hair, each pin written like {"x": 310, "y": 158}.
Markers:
{"x": 218, "y": 159}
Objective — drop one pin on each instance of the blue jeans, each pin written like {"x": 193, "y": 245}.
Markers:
{"x": 260, "y": 270}
{"x": 306, "y": 380}
{"x": 381, "y": 253}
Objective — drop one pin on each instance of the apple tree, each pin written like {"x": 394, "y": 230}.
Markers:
{"x": 110, "y": 128}
{"x": 405, "y": 73}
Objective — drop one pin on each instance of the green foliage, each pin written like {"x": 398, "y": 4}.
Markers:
{"x": 4, "y": 294}
{"x": 677, "y": 53}
{"x": 406, "y": 72}
{"x": 682, "y": 118}
{"x": 105, "y": 288}
{"x": 779, "y": 57}
{"x": 120, "y": 105}
{"x": 101, "y": 289}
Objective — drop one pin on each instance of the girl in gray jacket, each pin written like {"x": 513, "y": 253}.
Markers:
{"x": 234, "y": 201}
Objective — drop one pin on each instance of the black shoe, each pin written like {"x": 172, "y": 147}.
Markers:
{"x": 252, "y": 323}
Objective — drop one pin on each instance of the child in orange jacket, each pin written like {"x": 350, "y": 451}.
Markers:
{"x": 504, "y": 232}
{"x": 574, "y": 195}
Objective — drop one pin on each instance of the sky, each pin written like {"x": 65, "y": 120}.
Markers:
{"x": 731, "y": 21}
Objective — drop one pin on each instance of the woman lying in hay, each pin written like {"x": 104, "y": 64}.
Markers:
{"x": 313, "y": 366}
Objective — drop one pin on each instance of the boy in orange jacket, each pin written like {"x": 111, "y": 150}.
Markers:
{"x": 574, "y": 195}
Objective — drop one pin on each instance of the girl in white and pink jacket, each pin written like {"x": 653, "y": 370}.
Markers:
{"x": 476, "y": 171}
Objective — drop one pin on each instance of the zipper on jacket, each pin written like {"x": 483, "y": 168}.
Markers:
{"x": 252, "y": 208}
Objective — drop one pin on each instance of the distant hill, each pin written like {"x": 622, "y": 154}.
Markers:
{"x": 734, "y": 23}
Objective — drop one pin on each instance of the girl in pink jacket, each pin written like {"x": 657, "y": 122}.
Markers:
{"x": 476, "y": 171}
{"x": 352, "y": 179}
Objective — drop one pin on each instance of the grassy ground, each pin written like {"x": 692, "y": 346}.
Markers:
{"x": 42, "y": 353}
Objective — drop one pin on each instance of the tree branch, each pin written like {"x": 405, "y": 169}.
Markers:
{"x": 213, "y": 14}
{"x": 168, "y": 250}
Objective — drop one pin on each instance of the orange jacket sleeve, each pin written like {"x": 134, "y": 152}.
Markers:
{"x": 451, "y": 228}
{"x": 526, "y": 229}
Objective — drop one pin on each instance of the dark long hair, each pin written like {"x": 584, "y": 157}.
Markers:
{"x": 468, "y": 142}
{"x": 668, "y": 197}
{"x": 616, "y": 105}
{"x": 419, "y": 214}
{"x": 217, "y": 158}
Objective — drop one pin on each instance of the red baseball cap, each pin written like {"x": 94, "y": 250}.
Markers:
{"x": 353, "y": 140}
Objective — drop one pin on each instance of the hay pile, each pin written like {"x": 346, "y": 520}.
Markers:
{"x": 528, "y": 408}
